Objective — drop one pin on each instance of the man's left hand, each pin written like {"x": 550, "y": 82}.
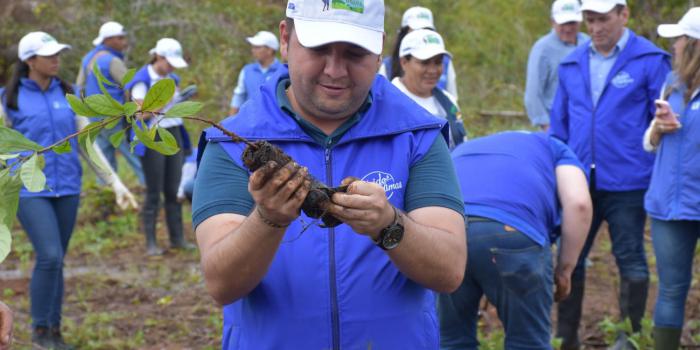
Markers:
{"x": 562, "y": 280}
{"x": 364, "y": 207}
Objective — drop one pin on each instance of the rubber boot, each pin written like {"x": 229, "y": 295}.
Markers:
{"x": 667, "y": 338}
{"x": 149, "y": 218}
{"x": 633, "y": 303}
{"x": 57, "y": 339}
{"x": 173, "y": 218}
{"x": 41, "y": 339}
{"x": 569, "y": 316}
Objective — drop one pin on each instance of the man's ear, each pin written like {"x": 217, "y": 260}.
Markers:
{"x": 284, "y": 39}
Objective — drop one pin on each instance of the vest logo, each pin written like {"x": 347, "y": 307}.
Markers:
{"x": 385, "y": 180}
{"x": 622, "y": 80}
{"x": 350, "y": 5}
{"x": 695, "y": 106}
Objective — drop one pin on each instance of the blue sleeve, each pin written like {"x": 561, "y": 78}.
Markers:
{"x": 221, "y": 186}
{"x": 563, "y": 155}
{"x": 657, "y": 78}
{"x": 537, "y": 74}
{"x": 559, "y": 122}
{"x": 432, "y": 181}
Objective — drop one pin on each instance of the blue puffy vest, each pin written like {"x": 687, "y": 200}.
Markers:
{"x": 45, "y": 118}
{"x": 609, "y": 135}
{"x": 332, "y": 288}
{"x": 442, "y": 82}
{"x": 106, "y": 55}
{"x": 674, "y": 191}
{"x": 255, "y": 77}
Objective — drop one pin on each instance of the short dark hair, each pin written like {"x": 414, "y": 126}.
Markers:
{"x": 290, "y": 28}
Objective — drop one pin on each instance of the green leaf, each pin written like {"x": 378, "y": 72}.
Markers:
{"x": 8, "y": 156}
{"x": 147, "y": 137}
{"x": 168, "y": 139}
{"x": 63, "y": 148}
{"x": 100, "y": 82}
{"x": 13, "y": 141}
{"x": 117, "y": 138}
{"x": 100, "y": 77}
{"x": 184, "y": 109}
{"x": 31, "y": 174}
{"x": 130, "y": 108}
{"x": 113, "y": 123}
{"x": 79, "y": 107}
{"x": 102, "y": 105}
{"x": 159, "y": 95}
{"x": 128, "y": 76}
{"x": 5, "y": 239}
{"x": 87, "y": 143}
{"x": 9, "y": 201}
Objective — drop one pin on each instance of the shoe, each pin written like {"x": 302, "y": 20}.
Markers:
{"x": 57, "y": 340}
{"x": 153, "y": 250}
{"x": 667, "y": 338}
{"x": 184, "y": 245}
{"x": 41, "y": 339}
{"x": 621, "y": 343}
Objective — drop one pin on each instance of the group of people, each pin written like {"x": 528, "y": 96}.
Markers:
{"x": 430, "y": 223}
{"x": 34, "y": 103}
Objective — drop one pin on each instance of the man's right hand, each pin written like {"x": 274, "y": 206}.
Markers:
{"x": 279, "y": 192}
{"x": 6, "y": 321}
{"x": 562, "y": 280}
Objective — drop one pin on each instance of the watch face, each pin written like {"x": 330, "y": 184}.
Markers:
{"x": 392, "y": 237}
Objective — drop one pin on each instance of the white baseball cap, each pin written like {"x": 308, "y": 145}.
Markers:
{"x": 264, "y": 38}
{"x": 688, "y": 25}
{"x": 601, "y": 6}
{"x": 418, "y": 18}
{"x": 422, "y": 44}
{"x": 565, "y": 11}
{"x": 171, "y": 50}
{"x": 39, "y": 44}
{"x": 359, "y": 22}
{"x": 108, "y": 30}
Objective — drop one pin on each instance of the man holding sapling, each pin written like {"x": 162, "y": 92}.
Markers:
{"x": 290, "y": 283}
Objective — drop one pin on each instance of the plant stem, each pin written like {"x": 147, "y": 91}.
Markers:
{"x": 104, "y": 122}
{"x": 233, "y": 136}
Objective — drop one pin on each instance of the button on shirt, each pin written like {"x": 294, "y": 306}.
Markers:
{"x": 600, "y": 66}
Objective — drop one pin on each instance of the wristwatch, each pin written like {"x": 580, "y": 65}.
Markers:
{"x": 390, "y": 237}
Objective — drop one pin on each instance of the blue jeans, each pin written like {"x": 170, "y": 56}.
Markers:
{"x": 674, "y": 246}
{"x": 109, "y": 151}
{"x": 625, "y": 214}
{"x": 49, "y": 224}
{"x": 515, "y": 274}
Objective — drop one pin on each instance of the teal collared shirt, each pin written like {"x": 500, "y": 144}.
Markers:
{"x": 319, "y": 136}
{"x": 601, "y": 65}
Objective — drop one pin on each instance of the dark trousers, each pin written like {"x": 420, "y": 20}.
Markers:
{"x": 49, "y": 223}
{"x": 162, "y": 174}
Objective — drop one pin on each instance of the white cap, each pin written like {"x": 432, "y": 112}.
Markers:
{"x": 171, "y": 50}
{"x": 39, "y": 44}
{"x": 565, "y": 11}
{"x": 264, "y": 38}
{"x": 108, "y": 30}
{"x": 422, "y": 44}
{"x": 359, "y": 22}
{"x": 601, "y": 6}
{"x": 418, "y": 18}
{"x": 688, "y": 25}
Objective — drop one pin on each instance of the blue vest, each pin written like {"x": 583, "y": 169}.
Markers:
{"x": 442, "y": 82}
{"x": 45, "y": 118}
{"x": 102, "y": 62}
{"x": 510, "y": 177}
{"x": 332, "y": 288}
{"x": 609, "y": 134}
{"x": 674, "y": 192}
{"x": 142, "y": 76}
{"x": 255, "y": 77}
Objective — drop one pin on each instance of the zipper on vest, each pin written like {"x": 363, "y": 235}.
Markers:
{"x": 53, "y": 139}
{"x": 593, "y": 168}
{"x": 335, "y": 318}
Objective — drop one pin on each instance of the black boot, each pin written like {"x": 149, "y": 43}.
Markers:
{"x": 173, "y": 218}
{"x": 569, "y": 316}
{"x": 633, "y": 303}
{"x": 57, "y": 339}
{"x": 41, "y": 339}
{"x": 667, "y": 338}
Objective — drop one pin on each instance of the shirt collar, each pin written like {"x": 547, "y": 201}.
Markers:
{"x": 153, "y": 74}
{"x": 618, "y": 47}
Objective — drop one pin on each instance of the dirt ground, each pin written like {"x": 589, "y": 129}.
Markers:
{"x": 124, "y": 300}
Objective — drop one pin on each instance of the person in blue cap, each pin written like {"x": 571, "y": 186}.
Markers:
{"x": 35, "y": 105}
{"x": 285, "y": 281}
{"x": 603, "y": 104}
{"x": 527, "y": 187}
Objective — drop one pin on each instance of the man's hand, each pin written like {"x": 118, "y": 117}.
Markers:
{"x": 6, "y": 320}
{"x": 279, "y": 191}
{"x": 562, "y": 280}
{"x": 364, "y": 207}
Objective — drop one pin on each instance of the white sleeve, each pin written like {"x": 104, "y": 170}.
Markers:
{"x": 452, "y": 80}
{"x": 382, "y": 70}
{"x": 239, "y": 93}
{"x": 138, "y": 91}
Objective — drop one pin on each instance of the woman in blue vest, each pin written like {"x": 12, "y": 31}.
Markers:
{"x": 35, "y": 103}
{"x": 673, "y": 198}
{"x": 422, "y": 54}
{"x": 162, "y": 173}
{"x": 416, "y": 18}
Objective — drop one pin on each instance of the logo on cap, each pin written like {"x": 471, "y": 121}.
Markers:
{"x": 431, "y": 39}
{"x": 291, "y": 6}
{"x": 350, "y": 5}
{"x": 47, "y": 39}
{"x": 569, "y": 7}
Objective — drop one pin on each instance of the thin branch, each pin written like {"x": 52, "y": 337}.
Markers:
{"x": 104, "y": 122}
